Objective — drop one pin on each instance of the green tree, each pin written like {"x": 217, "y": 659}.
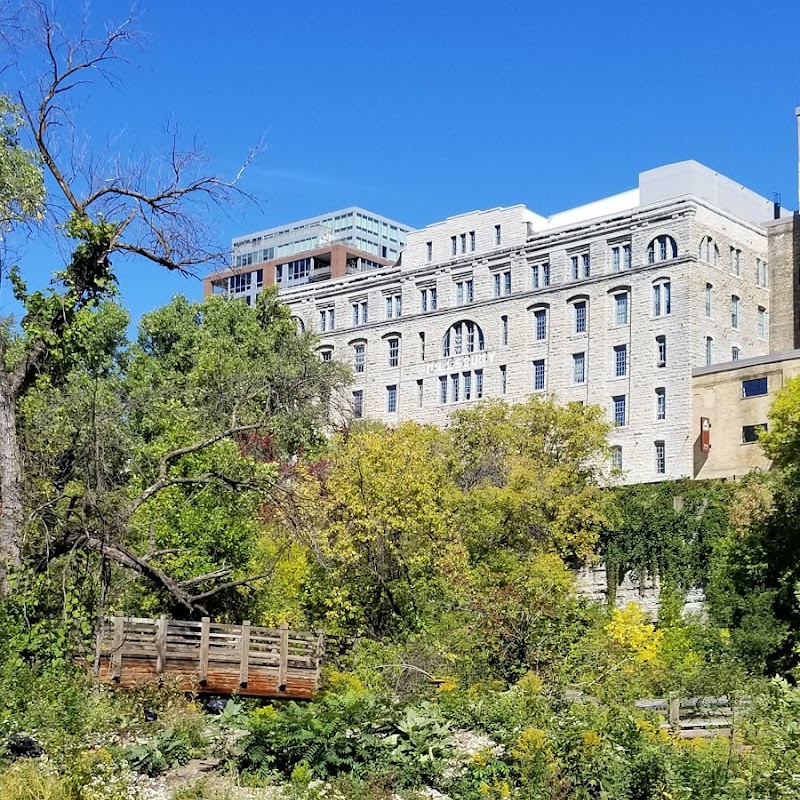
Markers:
{"x": 155, "y": 210}
{"x": 376, "y": 515}
{"x": 755, "y": 587}
{"x": 532, "y": 475}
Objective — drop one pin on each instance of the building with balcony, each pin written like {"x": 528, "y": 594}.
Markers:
{"x": 320, "y": 248}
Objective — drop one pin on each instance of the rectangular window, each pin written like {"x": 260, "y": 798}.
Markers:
{"x": 432, "y": 295}
{"x": 736, "y": 261}
{"x": 507, "y": 282}
{"x": 327, "y": 355}
{"x": 359, "y": 357}
{"x": 497, "y": 236}
{"x": 538, "y": 375}
{"x": 391, "y": 398}
{"x": 540, "y": 324}
{"x": 579, "y": 367}
{"x": 453, "y": 246}
{"x": 464, "y": 292}
{"x": 546, "y": 274}
{"x": 497, "y": 284}
{"x": 454, "y": 382}
{"x": 358, "y": 404}
{"x": 616, "y": 261}
{"x": 734, "y": 311}
{"x": 709, "y": 350}
{"x": 662, "y": 298}
{"x": 503, "y": 379}
{"x": 323, "y": 320}
{"x": 661, "y": 403}
{"x": 754, "y": 387}
{"x": 574, "y": 265}
{"x": 504, "y": 330}
{"x": 661, "y": 458}
{"x": 750, "y": 432}
{"x": 394, "y": 305}
{"x": 620, "y": 360}
{"x": 736, "y": 353}
{"x": 442, "y": 389}
{"x": 585, "y": 264}
{"x": 709, "y": 289}
{"x": 423, "y": 300}
{"x": 467, "y": 380}
{"x": 616, "y": 457}
{"x": 621, "y": 308}
{"x": 478, "y": 383}
{"x": 535, "y": 276}
{"x": 762, "y": 322}
{"x": 394, "y": 352}
{"x": 429, "y": 248}
{"x": 661, "y": 351}
{"x": 580, "y": 317}
{"x": 626, "y": 256}
{"x": 472, "y": 241}
{"x": 419, "y": 393}
{"x": 619, "y": 411}
{"x": 463, "y": 243}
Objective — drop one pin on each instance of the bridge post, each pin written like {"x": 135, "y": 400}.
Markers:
{"x": 244, "y": 656}
{"x": 205, "y": 631}
{"x": 115, "y": 657}
{"x": 161, "y": 645}
{"x": 320, "y": 652}
{"x": 283, "y": 661}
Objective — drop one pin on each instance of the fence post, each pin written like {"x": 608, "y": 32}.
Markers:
{"x": 283, "y": 660}
{"x": 115, "y": 671}
{"x": 161, "y": 645}
{"x": 205, "y": 630}
{"x": 675, "y": 713}
{"x": 244, "y": 654}
{"x": 320, "y": 655}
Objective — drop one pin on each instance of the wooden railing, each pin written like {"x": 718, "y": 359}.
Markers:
{"x": 212, "y": 657}
{"x": 694, "y": 718}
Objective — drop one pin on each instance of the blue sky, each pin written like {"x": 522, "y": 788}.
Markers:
{"x": 422, "y": 110}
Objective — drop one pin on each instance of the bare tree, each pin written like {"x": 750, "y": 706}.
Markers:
{"x": 153, "y": 210}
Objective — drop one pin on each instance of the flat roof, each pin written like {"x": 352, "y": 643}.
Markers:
{"x": 755, "y": 361}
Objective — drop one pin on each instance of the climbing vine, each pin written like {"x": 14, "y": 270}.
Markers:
{"x": 665, "y": 529}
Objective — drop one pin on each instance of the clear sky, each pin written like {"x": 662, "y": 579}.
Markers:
{"x": 421, "y": 110}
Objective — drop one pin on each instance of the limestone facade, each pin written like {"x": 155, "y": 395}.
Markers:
{"x": 613, "y": 303}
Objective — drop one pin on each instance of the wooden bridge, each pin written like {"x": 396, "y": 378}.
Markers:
{"x": 211, "y": 658}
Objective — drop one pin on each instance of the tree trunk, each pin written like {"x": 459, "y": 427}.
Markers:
{"x": 10, "y": 486}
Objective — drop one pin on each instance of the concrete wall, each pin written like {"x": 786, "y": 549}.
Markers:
{"x": 717, "y": 395}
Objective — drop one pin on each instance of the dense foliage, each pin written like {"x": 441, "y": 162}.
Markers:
{"x": 197, "y": 470}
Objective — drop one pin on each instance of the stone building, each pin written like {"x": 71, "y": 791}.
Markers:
{"x": 614, "y": 303}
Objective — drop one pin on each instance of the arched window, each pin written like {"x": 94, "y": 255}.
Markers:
{"x": 662, "y": 248}
{"x": 301, "y": 326}
{"x": 709, "y": 251}
{"x": 462, "y": 337}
